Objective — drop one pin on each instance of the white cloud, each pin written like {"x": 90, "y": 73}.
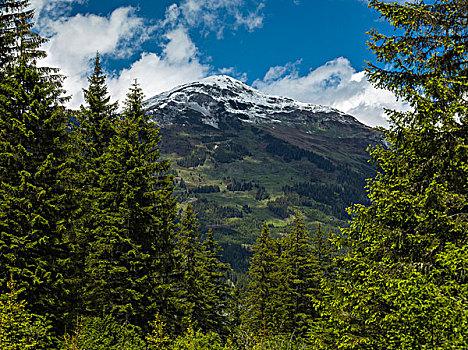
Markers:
{"x": 214, "y": 15}
{"x": 74, "y": 42}
{"x": 251, "y": 20}
{"x": 54, "y": 8}
{"x": 179, "y": 48}
{"x": 335, "y": 84}
{"x": 178, "y": 64}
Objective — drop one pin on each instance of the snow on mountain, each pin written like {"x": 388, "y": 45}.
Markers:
{"x": 218, "y": 98}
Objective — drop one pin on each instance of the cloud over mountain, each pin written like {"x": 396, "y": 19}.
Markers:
{"x": 336, "y": 84}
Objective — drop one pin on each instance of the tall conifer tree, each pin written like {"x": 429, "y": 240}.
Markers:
{"x": 33, "y": 141}
{"x": 189, "y": 252}
{"x": 214, "y": 285}
{"x": 130, "y": 255}
{"x": 91, "y": 138}
{"x": 263, "y": 303}
{"x": 403, "y": 284}
{"x": 300, "y": 279}
{"x": 201, "y": 276}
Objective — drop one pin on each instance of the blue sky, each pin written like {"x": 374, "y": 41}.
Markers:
{"x": 310, "y": 50}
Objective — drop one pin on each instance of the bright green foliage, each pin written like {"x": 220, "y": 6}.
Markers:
{"x": 267, "y": 342}
{"x": 299, "y": 280}
{"x": 202, "y": 277}
{"x": 103, "y": 334}
{"x": 130, "y": 252}
{"x": 32, "y": 161}
{"x": 403, "y": 283}
{"x": 19, "y": 329}
{"x": 192, "y": 340}
{"x": 158, "y": 338}
{"x": 263, "y": 302}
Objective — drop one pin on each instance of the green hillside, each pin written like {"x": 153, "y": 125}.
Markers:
{"x": 237, "y": 178}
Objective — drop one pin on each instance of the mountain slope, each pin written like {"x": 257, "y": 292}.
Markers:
{"x": 243, "y": 157}
{"x": 217, "y": 99}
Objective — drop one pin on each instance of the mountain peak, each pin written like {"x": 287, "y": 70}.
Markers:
{"x": 219, "y": 98}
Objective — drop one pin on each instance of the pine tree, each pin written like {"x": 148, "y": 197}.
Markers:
{"x": 33, "y": 146}
{"x": 263, "y": 301}
{"x": 130, "y": 254}
{"x": 403, "y": 281}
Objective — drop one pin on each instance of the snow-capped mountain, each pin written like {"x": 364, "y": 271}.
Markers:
{"x": 246, "y": 156}
{"x": 221, "y": 100}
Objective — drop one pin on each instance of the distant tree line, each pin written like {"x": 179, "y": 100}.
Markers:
{"x": 290, "y": 152}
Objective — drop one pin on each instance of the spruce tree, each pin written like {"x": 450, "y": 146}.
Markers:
{"x": 300, "y": 279}
{"x": 324, "y": 251}
{"x": 33, "y": 146}
{"x": 98, "y": 118}
{"x": 131, "y": 252}
{"x": 403, "y": 281}
{"x": 215, "y": 287}
{"x": 91, "y": 138}
{"x": 189, "y": 252}
{"x": 263, "y": 303}
{"x": 17, "y": 40}
{"x": 202, "y": 277}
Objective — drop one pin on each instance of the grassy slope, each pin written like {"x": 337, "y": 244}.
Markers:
{"x": 263, "y": 169}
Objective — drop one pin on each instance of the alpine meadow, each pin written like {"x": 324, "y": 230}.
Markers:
{"x": 212, "y": 216}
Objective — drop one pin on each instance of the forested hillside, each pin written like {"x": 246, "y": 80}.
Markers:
{"x": 95, "y": 254}
{"x": 241, "y": 158}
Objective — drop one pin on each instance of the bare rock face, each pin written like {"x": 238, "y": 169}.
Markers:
{"x": 223, "y": 102}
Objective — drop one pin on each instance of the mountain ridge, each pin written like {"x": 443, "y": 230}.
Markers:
{"x": 222, "y": 94}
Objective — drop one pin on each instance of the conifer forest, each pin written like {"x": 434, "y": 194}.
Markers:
{"x": 97, "y": 253}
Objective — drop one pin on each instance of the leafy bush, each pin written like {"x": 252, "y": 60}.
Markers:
{"x": 103, "y": 334}
{"x": 19, "y": 329}
{"x": 198, "y": 341}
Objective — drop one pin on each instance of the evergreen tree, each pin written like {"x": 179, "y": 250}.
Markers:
{"x": 189, "y": 251}
{"x": 17, "y": 40}
{"x": 202, "y": 286}
{"x": 300, "y": 279}
{"x": 98, "y": 118}
{"x": 403, "y": 281}
{"x": 324, "y": 251}
{"x": 215, "y": 287}
{"x": 91, "y": 138}
{"x": 33, "y": 146}
{"x": 130, "y": 254}
{"x": 262, "y": 305}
